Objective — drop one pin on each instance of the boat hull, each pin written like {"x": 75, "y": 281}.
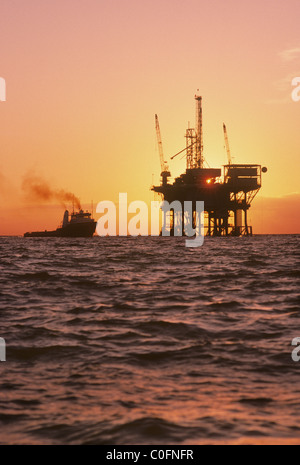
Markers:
{"x": 70, "y": 230}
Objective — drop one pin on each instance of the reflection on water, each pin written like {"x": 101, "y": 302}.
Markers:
{"x": 144, "y": 341}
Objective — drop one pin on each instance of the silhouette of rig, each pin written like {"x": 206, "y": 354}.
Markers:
{"x": 227, "y": 193}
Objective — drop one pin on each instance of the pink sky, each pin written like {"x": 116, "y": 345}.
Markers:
{"x": 85, "y": 79}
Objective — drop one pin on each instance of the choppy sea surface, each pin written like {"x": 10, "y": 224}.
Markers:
{"x": 141, "y": 340}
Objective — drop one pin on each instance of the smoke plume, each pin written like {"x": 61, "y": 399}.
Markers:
{"x": 36, "y": 188}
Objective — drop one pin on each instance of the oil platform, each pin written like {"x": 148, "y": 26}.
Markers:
{"x": 227, "y": 193}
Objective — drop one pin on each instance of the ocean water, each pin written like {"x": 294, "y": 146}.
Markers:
{"x": 144, "y": 341}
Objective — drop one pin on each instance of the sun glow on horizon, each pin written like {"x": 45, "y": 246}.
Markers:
{"x": 84, "y": 81}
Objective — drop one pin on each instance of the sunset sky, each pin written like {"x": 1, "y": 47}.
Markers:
{"x": 84, "y": 80}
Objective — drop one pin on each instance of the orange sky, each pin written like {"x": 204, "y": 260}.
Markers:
{"x": 85, "y": 79}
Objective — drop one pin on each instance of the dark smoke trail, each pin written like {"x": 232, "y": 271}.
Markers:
{"x": 37, "y": 188}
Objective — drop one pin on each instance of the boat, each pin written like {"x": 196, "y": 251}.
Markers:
{"x": 78, "y": 224}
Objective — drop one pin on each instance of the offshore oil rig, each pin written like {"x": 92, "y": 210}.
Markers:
{"x": 227, "y": 195}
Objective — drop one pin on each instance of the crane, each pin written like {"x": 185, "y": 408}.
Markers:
{"x": 165, "y": 173}
{"x": 227, "y": 145}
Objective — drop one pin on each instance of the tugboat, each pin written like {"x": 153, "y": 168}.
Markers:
{"x": 80, "y": 224}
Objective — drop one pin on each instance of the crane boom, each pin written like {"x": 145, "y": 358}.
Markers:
{"x": 227, "y": 145}
{"x": 163, "y": 164}
{"x": 183, "y": 150}
{"x": 165, "y": 173}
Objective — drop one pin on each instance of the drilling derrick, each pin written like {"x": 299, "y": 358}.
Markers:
{"x": 190, "y": 136}
{"x": 199, "y": 133}
{"x": 194, "y": 140}
{"x": 227, "y": 199}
